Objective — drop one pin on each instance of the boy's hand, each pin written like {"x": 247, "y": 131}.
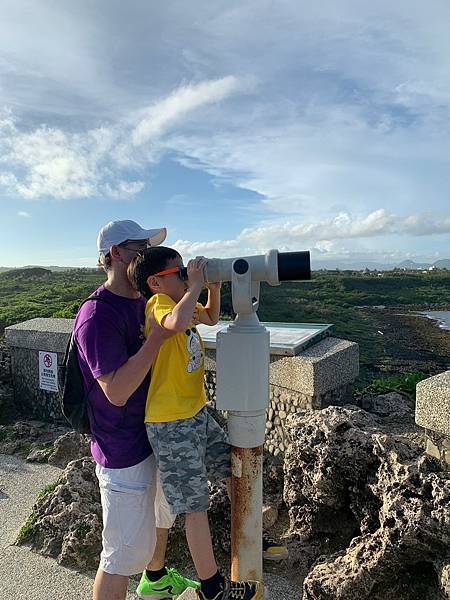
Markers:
{"x": 216, "y": 285}
{"x": 195, "y": 271}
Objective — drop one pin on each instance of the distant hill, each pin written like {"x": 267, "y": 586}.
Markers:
{"x": 411, "y": 265}
{"x": 26, "y": 272}
{"x": 52, "y": 268}
{"x": 444, "y": 263}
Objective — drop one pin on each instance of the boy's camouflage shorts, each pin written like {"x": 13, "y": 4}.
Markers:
{"x": 188, "y": 453}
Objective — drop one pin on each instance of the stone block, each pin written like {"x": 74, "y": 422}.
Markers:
{"x": 433, "y": 403}
{"x": 25, "y": 340}
{"x": 325, "y": 366}
{"x": 51, "y": 335}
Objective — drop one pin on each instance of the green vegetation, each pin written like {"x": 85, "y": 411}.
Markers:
{"x": 27, "y": 531}
{"x": 82, "y": 530}
{"x": 29, "y": 293}
{"x": 346, "y": 299}
{"x": 46, "y": 491}
{"x": 403, "y": 383}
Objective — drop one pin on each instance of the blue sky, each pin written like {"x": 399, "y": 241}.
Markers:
{"x": 238, "y": 126}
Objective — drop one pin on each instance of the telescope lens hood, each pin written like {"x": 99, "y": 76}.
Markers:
{"x": 294, "y": 266}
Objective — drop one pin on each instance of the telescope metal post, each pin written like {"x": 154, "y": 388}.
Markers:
{"x": 243, "y": 353}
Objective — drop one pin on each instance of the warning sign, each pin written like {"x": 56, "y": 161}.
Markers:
{"x": 48, "y": 371}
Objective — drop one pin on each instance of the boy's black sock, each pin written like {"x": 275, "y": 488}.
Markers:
{"x": 155, "y": 575}
{"x": 212, "y": 586}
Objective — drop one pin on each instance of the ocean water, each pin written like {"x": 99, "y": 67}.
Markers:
{"x": 439, "y": 315}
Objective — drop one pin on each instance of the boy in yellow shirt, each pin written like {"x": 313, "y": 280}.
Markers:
{"x": 188, "y": 444}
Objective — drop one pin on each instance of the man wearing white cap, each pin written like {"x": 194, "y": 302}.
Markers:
{"x": 114, "y": 359}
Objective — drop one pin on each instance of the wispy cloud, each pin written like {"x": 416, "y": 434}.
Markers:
{"x": 50, "y": 162}
{"x": 321, "y": 235}
{"x": 24, "y": 214}
{"x": 164, "y": 114}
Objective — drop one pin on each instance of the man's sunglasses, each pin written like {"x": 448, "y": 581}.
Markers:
{"x": 180, "y": 271}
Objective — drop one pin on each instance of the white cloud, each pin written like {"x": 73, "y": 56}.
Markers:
{"x": 321, "y": 235}
{"x": 165, "y": 113}
{"x": 24, "y": 214}
{"x": 50, "y": 162}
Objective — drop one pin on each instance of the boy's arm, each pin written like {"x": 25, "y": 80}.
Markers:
{"x": 181, "y": 316}
{"x": 210, "y": 316}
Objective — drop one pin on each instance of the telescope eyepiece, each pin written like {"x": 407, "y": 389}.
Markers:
{"x": 294, "y": 266}
{"x": 240, "y": 266}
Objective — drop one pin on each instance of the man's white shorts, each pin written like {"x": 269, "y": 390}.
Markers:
{"x": 133, "y": 505}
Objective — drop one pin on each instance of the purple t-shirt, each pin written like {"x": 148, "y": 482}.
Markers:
{"x": 106, "y": 336}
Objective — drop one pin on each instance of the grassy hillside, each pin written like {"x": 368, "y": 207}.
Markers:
{"x": 388, "y": 342}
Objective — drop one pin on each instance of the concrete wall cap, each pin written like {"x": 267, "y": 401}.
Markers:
{"x": 40, "y": 334}
{"x": 433, "y": 403}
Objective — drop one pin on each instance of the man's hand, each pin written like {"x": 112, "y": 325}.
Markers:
{"x": 156, "y": 332}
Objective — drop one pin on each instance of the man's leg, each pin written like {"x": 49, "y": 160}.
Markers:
{"x": 129, "y": 533}
{"x": 109, "y": 587}
{"x": 159, "y": 555}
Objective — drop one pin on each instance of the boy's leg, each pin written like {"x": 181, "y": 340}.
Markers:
{"x": 200, "y": 545}
{"x": 157, "y": 580}
{"x": 180, "y": 448}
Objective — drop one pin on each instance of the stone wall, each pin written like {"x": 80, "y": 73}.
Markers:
{"x": 24, "y": 341}
{"x": 283, "y": 402}
{"x": 5, "y": 361}
{"x": 319, "y": 376}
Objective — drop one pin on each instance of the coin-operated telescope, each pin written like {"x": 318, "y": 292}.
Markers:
{"x": 242, "y": 389}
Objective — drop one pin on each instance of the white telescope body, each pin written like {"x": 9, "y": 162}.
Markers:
{"x": 243, "y": 348}
{"x": 242, "y": 389}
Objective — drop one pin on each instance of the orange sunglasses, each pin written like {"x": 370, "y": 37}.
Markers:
{"x": 181, "y": 272}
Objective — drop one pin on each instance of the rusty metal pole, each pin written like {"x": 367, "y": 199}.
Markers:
{"x": 243, "y": 357}
{"x": 246, "y": 504}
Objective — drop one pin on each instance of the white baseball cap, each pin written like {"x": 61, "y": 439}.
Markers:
{"x": 116, "y": 232}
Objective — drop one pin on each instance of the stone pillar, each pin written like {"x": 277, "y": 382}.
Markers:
{"x": 25, "y": 340}
{"x": 433, "y": 414}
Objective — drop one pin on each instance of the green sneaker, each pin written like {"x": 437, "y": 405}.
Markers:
{"x": 171, "y": 585}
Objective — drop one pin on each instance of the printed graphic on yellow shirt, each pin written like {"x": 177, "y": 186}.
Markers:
{"x": 194, "y": 347}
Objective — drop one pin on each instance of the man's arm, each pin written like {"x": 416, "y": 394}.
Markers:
{"x": 120, "y": 384}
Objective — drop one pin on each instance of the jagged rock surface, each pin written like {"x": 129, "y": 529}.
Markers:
{"x": 27, "y": 437}
{"x": 369, "y": 515}
{"x": 66, "y": 524}
{"x": 68, "y": 447}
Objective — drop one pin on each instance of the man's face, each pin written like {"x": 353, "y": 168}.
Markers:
{"x": 130, "y": 249}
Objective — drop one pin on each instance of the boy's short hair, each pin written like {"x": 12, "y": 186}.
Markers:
{"x": 152, "y": 260}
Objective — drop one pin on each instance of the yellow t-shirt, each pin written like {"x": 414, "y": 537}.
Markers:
{"x": 176, "y": 388}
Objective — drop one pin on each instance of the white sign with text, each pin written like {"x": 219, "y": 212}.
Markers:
{"x": 48, "y": 371}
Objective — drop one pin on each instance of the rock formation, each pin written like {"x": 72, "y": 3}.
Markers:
{"x": 370, "y": 516}
{"x": 369, "y": 513}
